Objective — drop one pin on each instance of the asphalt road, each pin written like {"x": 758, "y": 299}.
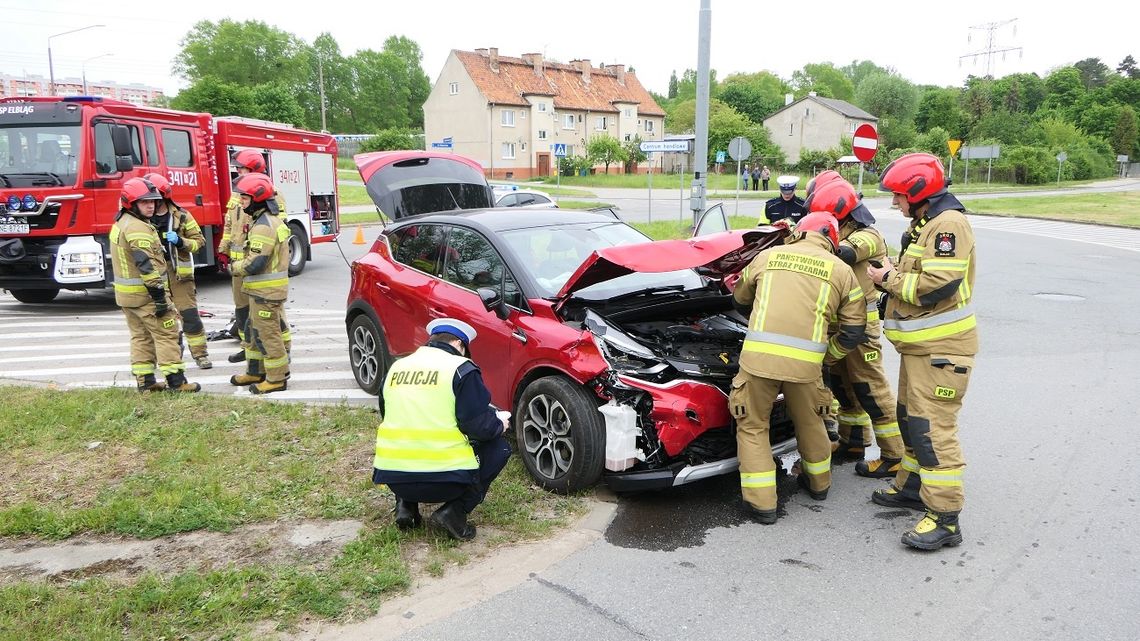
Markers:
{"x": 1048, "y": 428}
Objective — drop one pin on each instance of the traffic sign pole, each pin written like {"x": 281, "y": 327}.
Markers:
{"x": 860, "y": 189}
{"x": 737, "y": 212}
{"x": 649, "y": 156}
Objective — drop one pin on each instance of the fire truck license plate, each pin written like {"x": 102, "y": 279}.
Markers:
{"x": 14, "y": 228}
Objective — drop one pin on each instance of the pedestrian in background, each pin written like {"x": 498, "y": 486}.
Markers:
{"x": 764, "y": 176}
{"x": 930, "y": 320}
{"x": 440, "y": 440}
{"x": 139, "y": 268}
{"x": 182, "y": 237}
{"x": 755, "y": 178}
{"x": 787, "y": 206}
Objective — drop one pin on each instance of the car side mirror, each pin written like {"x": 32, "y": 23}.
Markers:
{"x": 493, "y": 302}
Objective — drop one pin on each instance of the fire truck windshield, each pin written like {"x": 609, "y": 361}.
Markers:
{"x": 34, "y": 155}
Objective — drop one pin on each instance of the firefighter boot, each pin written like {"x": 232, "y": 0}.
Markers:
{"x": 452, "y": 518}
{"x": 265, "y": 387}
{"x": 906, "y": 497}
{"x": 880, "y": 468}
{"x": 934, "y": 530}
{"x": 147, "y": 383}
{"x": 408, "y": 515}
{"x": 203, "y": 362}
{"x": 851, "y": 449}
{"x": 177, "y": 382}
{"x": 253, "y": 374}
{"x": 237, "y": 357}
{"x": 802, "y": 481}
{"x": 765, "y": 517}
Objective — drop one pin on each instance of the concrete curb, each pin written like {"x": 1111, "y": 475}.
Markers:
{"x": 437, "y": 599}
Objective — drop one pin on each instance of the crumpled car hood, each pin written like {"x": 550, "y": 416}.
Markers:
{"x": 716, "y": 255}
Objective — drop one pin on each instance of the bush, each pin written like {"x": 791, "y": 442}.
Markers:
{"x": 391, "y": 140}
{"x": 1028, "y": 165}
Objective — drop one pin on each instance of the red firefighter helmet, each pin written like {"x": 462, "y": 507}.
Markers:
{"x": 251, "y": 160}
{"x": 823, "y": 223}
{"x": 257, "y": 186}
{"x": 160, "y": 183}
{"x": 837, "y": 198}
{"x": 136, "y": 189}
{"x": 917, "y": 176}
{"x": 822, "y": 179}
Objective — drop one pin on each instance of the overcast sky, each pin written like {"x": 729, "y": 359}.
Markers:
{"x": 653, "y": 37}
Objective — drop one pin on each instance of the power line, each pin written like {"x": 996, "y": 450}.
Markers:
{"x": 992, "y": 48}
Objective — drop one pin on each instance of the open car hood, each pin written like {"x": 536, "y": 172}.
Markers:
{"x": 716, "y": 255}
{"x": 406, "y": 183}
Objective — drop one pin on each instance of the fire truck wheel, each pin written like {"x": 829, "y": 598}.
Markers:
{"x": 298, "y": 250}
{"x": 34, "y": 295}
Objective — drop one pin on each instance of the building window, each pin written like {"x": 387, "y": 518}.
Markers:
{"x": 542, "y": 106}
{"x": 649, "y": 125}
{"x": 508, "y": 118}
{"x": 791, "y": 128}
{"x": 627, "y": 138}
{"x": 628, "y": 112}
{"x": 453, "y": 88}
{"x": 522, "y": 115}
{"x": 600, "y": 123}
{"x": 509, "y": 150}
{"x": 568, "y": 121}
{"x": 542, "y": 134}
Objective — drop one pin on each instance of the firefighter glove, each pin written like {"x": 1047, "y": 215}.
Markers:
{"x": 158, "y": 295}
{"x": 173, "y": 239}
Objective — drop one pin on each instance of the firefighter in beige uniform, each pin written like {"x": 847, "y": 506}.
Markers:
{"x": 232, "y": 248}
{"x": 265, "y": 272}
{"x": 859, "y": 382}
{"x": 139, "y": 267}
{"x": 793, "y": 292}
{"x": 931, "y": 322}
{"x": 182, "y": 237}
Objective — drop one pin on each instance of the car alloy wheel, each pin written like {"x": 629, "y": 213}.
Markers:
{"x": 368, "y": 354}
{"x": 560, "y": 434}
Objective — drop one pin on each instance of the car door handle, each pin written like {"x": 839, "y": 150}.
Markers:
{"x": 382, "y": 286}
{"x": 435, "y": 313}
{"x": 520, "y": 335}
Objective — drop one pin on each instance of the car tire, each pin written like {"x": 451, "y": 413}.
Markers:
{"x": 368, "y": 354}
{"x": 560, "y": 435}
{"x": 34, "y": 295}
{"x": 298, "y": 246}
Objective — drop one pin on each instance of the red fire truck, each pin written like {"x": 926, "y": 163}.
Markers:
{"x": 64, "y": 159}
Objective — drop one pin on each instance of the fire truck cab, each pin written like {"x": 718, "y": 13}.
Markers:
{"x": 63, "y": 162}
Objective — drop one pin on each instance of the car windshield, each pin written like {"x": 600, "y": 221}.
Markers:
{"x": 553, "y": 253}
{"x": 39, "y": 154}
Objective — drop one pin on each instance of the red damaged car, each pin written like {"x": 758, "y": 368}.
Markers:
{"x": 614, "y": 353}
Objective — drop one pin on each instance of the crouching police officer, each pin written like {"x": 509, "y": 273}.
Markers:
{"x": 792, "y": 291}
{"x": 140, "y": 290}
{"x": 788, "y": 205}
{"x": 931, "y": 322}
{"x": 440, "y": 440}
{"x": 182, "y": 236}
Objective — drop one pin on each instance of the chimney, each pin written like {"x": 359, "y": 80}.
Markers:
{"x": 789, "y": 99}
{"x": 535, "y": 59}
{"x": 585, "y": 65}
{"x": 482, "y": 52}
{"x": 494, "y": 55}
{"x": 619, "y": 71}
{"x": 812, "y": 94}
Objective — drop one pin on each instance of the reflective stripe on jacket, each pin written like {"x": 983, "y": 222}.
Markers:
{"x": 868, "y": 245}
{"x": 420, "y": 432}
{"x": 929, "y": 310}
{"x": 134, "y": 240}
{"x": 268, "y": 238}
{"x": 796, "y": 291}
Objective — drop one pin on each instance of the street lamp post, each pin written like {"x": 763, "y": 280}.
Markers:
{"x": 102, "y": 55}
{"x": 51, "y": 69}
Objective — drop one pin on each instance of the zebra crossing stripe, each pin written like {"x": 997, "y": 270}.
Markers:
{"x": 1116, "y": 237}
{"x": 40, "y": 372}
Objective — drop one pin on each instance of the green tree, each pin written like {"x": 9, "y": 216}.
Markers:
{"x": 896, "y": 134}
{"x": 276, "y": 102}
{"x": 934, "y": 141}
{"x": 824, "y": 79}
{"x": 672, "y": 85}
{"x": 605, "y": 149}
{"x": 1002, "y": 126}
{"x": 213, "y": 96}
{"x": 246, "y": 53}
{"x": 1099, "y": 120}
{"x": 1065, "y": 88}
{"x": 939, "y": 107}
{"x": 633, "y": 154}
{"x": 1019, "y": 92}
{"x": 324, "y": 58}
{"x": 977, "y": 99}
{"x": 1124, "y": 134}
{"x": 756, "y": 95}
{"x": 410, "y": 75}
{"x": 888, "y": 96}
{"x": 1127, "y": 67}
{"x": 687, "y": 85}
{"x": 860, "y": 69}
{"x": 391, "y": 140}
{"x": 1094, "y": 73}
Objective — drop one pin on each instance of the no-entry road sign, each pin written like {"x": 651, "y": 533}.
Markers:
{"x": 865, "y": 143}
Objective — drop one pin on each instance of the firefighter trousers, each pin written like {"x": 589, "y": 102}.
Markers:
{"x": 866, "y": 402}
{"x": 153, "y": 340}
{"x": 241, "y": 311}
{"x": 267, "y": 339}
{"x": 184, "y": 295}
{"x": 751, "y": 402}
{"x": 931, "y": 390}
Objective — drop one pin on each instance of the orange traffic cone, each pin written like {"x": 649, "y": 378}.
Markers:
{"x": 359, "y": 240}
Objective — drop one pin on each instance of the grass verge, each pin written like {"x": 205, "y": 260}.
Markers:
{"x": 672, "y": 229}
{"x": 1110, "y": 208}
{"x": 115, "y": 462}
{"x": 581, "y": 204}
{"x": 353, "y": 195}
